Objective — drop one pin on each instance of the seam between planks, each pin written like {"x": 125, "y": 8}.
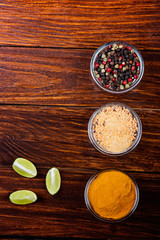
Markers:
{"x": 64, "y": 48}
{"x": 89, "y": 170}
{"x": 66, "y": 106}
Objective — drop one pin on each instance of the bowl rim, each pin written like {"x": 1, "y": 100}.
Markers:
{"x": 94, "y": 56}
{"x": 98, "y": 146}
{"x": 89, "y": 207}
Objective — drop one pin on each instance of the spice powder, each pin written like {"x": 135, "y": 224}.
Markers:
{"x": 115, "y": 128}
{"x": 112, "y": 194}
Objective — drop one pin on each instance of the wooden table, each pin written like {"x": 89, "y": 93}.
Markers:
{"x": 47, "y": 97}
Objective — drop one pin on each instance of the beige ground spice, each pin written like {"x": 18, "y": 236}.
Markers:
{"x": 115, "y": 128}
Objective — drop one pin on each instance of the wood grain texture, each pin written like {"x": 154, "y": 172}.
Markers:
{"x": 62, "y": 77}
{"x": 79, "y": 24}
{"x": 47, "y": 98}
{"x": 58, "y": 136}
{"x": 65, "y": 214}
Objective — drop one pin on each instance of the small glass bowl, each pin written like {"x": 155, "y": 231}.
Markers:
{"x": 88, "y": 205}
{"x": 104, "y": 150}
{"x": 100, "y": 49}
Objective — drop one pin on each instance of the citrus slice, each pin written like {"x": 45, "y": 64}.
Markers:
{"x": 23, "y": 197}
{"x": 24, "y": 167}
{"x": 53, "y": 181}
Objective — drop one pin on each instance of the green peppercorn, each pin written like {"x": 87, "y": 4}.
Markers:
{"x": 102, "y": 70}
{"x": 101, "y": 66}
{"x": 114, "y": 46}
{"x": 103, "y": 55}
{"x": 121, "y": 87}
{"x": 116, "y": 66}
{"x": 127, "y": 85}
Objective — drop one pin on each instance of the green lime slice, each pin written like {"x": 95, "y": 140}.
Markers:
{"x": 24, "y": 167}
{"x": 53, "y": 181}
{"x": 23, "y": 197}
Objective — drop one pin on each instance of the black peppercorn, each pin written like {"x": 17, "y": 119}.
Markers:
{"x": 116, "y": 66}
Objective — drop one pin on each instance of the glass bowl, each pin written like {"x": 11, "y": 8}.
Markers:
{"x": 134, "y": 82}
{"x": 104, "y": 150}
{"x": 88, "y": 205}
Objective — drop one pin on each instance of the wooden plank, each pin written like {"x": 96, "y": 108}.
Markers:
{"x": 51, "y": 136}
{"x": 79, "y": 24}
{"x": 62, "y": 77}
{"x": 65, "y": 214}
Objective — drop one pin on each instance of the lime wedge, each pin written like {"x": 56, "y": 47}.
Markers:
{"x": 24, "y": 167}
{"x": 23, "y": 197}
{"x": 53, "y": 181}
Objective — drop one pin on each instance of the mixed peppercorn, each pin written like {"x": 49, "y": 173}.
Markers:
{"x": 117, "y": 67}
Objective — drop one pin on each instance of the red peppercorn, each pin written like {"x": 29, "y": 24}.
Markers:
{"x": 129, "y": 79}
{"x": 114, "y": 72}
{"x": 120, "y": 66}
{"x": 96, "y": 65}
{"x": 133, "y": 68}
{"x": 99, "y": 79}
{"x": 123, "y": 63}
{"x": 113, "y": 79}
{"x": 134, "y": 54}
{"x": 124, "y": 82}
{"x": 109, "y": 59}
{"x": 109, "y": 69}
{"x": 137, "y": 64}
{"x": 120, "y": 58}
{"x": 104, "y": 63}
{"x": 129, "y": 48}
{"x": 109, "y": 46}
{"x": 135, "y": 76}
{"x": 107, "y": 86}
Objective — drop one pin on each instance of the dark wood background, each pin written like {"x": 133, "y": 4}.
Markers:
{"x": 47, "y": 96}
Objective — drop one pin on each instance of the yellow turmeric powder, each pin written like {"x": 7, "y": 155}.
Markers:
{"x": 112, "y": 194}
